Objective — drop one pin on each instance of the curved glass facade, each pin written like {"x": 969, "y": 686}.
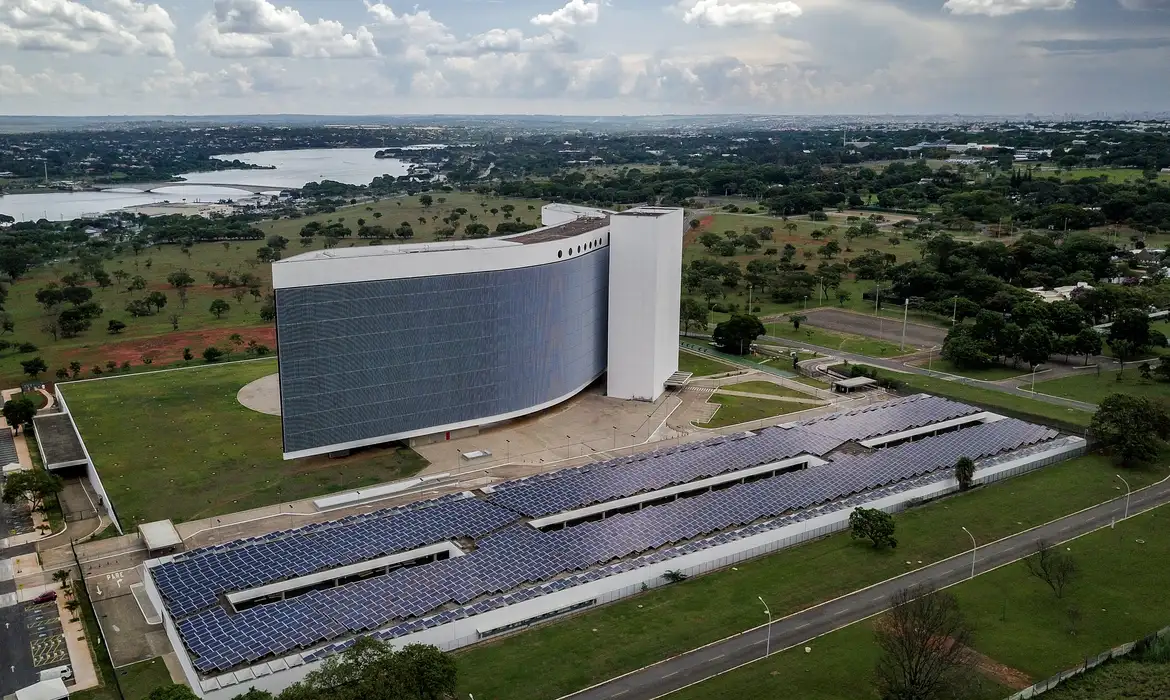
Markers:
{"x": 365, "y": 362}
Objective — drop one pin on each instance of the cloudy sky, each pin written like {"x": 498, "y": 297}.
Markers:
{"x": 82, "y": 57}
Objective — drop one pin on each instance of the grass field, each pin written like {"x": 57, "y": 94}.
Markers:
{"x": 990, "y": 397}
{"x": 988, "y": 374}
{"x": 556, "y": 659}
{"x": 179, "y": 445}
{"x": 1017, "y": 621}
{"x": 1113, "y": 174}
{"x": 155, "y": 335}
{"x": 700, "y": 365}
{"x": 734, "y": 410}
{"x": 1118, "y": 680}
{"x": 761, "y": 387}
{"x": 1091, "y": 388}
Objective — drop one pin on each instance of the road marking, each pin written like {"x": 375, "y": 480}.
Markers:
{"x": 717, "y": 657}
{"x": 620, "y": 692}
{"x": 668, "y": 675}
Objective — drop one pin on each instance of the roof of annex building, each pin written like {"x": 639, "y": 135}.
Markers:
{"x": 401, "y": 570}
{"x": 540, "y": 235}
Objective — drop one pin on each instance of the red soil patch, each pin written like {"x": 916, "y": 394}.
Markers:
{"x": 691, "y": 236}
{"x": 169, "y": 347}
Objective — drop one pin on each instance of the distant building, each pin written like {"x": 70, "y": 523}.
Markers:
{"x": 1060, "y": 293}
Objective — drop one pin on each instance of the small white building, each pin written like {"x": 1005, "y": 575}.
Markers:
{"x": 1059, "y": 293}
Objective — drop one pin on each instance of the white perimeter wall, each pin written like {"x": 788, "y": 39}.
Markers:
{"x": 95, "y": 480}
{"x": 645, "y": 276}
{"x": 557, "y": 214}
{"x": 276, "y": 675}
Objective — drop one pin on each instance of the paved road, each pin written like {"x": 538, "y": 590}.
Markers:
{"x": 705, "y": 662}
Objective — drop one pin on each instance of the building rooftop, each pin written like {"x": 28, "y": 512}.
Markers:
{"x": 556, "y": 233}
{"x": 58, "y": 441}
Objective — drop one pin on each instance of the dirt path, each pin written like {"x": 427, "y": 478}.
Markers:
{"x": 1004, "y": 675}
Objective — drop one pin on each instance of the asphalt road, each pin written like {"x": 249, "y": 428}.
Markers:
{"x": 705, "y": 662}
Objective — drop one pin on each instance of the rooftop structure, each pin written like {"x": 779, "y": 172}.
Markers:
{"x": 1060, "y": 293}
{"x": 465, "y": 567}
{"x": 58, "y": 441}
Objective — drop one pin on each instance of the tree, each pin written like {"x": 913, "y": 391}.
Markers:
{"x": 1087, "y": 343}
{"x": 34, "y": 367}
{"x": 1123, "y": 349}
{"x": 736, "y": 335}
{"x": 157, "y": 299}
{"x": 426, "y": 200}
{"x": 19, "y": 411}
{"x": 710, "y": 239}
{"x": 219, "y": 307}
{"x": 874, "y": 525}
{"x": 1131, "y": 428}
{"x": 77, "y": 295}
{"x": 843, "y": 296}
{"x": 114, "y": 327}
{"x": 213, "y": 354}
{"x": 1035, "y": 345}
{"x": 829, "y": 250}
{"x": 50, "y": 297}
{"x": 180, "y": 279}
{"x": 1131, "y": 325}
{"x": 965, "y": 473}
{"x": 31, "y": 486}
{"x": 75, "y": 369}
{"x": 137, "y": 284}
{"x": 925, "y": 642}
{"x": 266, "y": 254}
{"x": 175, "y": 691}
{"x": 692, "y": 312}
{"x": 187, "y": 356}
{"x": 1053, "y": 566}
{"x": 796, "y": 320}
{"x": 276, "y": 242}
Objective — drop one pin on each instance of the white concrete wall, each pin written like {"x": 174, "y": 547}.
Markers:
{"x": 645, "y": 276}
{"x": 95, "y": 480}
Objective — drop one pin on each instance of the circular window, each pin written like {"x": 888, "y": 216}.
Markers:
{"x": 578, "y": 249}
{"x": 570, "y": 251}
{"x": 560, "y": 253}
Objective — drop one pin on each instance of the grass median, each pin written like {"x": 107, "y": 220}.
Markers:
{"x": 734, "y": 410}
{"x": 991, "y": 398}
{"x": 1018, "y": 622}
{"x": 1091, "y": 387}
{"x": 560, "y": 658}
{"x": 702, "y": 366}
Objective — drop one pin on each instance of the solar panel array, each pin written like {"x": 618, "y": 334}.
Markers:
{"x": 629, "y": 476}
{"x": 883, "y": 419}
{"x": 195, "y": 581}
{"x": 519, "y": 555}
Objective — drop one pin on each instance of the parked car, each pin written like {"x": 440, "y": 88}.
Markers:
{"x": 46, "y": 597}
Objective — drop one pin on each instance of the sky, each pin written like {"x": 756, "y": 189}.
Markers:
{"x": 584, "y": 57}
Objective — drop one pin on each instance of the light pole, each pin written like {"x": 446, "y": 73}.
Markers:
{"x": 955, "y": 311}
{"x": 905, "y": 314}
{"x": 1126, "y": 495}
{"x": 749, "y": 308}
{"x": 1034, "y": 368}
{"x": 615, "y": 437}
{"x": 974, "y": 547}
{"x": 768, "y": 643}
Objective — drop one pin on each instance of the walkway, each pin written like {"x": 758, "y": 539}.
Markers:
{"x": 705, "y": 662}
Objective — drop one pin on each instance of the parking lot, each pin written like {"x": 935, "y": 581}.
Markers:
{"x": 31, "y": 640}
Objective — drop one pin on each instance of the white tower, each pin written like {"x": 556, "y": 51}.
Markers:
{"x": 645, "y": 276}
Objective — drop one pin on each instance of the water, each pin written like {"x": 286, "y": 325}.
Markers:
{"x": 355, "y": 166}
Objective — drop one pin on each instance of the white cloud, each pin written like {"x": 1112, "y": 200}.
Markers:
{"x": 999, "y": 8}
{"x": 12, "y": 83}
{"x": 419, "y": 24}
{"x": 1145, "y": 4}
{"x": 574, "y": 13}
{"x": 120, "y": 27}
{"x": 734, "y": 13}
{"x": 236, "y": 80}
{"x": 249, "y": 28}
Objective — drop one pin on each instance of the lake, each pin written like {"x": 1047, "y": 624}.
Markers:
{"x": 355, "y": 166}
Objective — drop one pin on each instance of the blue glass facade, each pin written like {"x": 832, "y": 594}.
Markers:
{"x": 369, "y": 360}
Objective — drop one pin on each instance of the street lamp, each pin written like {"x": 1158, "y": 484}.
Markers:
{"x": 905, "y": 313}
{"x": 749, "y": 308}
{"x": 1126, "y": 495}
{"x": 768, "y": 643}
{"x": 974, "y": 547}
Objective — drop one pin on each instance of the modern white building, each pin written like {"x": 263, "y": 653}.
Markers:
{"x": 432, "y": 340}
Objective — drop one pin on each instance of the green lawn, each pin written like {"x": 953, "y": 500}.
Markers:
{"x": 770, "y": 388}
{"x": 838, "y": 667}
{"x": 1118, "y": 680}
{"x": 559, "y": 658}
{"x": 836, "y": 341}
{"x": 155, "y": 335}
{"x": 734, "y": 410}
{"x": 701, "y": 365}
{"x": 988, "y": 374}
{"x": 811, "y": 382}
{"x": 990, "y": 397}
{"x": 137, "y": 681}
{"x": 179, "y": 445}
{"x": 1017, "y": 621}
{"x": 1091, "y": 388}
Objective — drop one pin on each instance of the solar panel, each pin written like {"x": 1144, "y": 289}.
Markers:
{"x": 513, "y": 562}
